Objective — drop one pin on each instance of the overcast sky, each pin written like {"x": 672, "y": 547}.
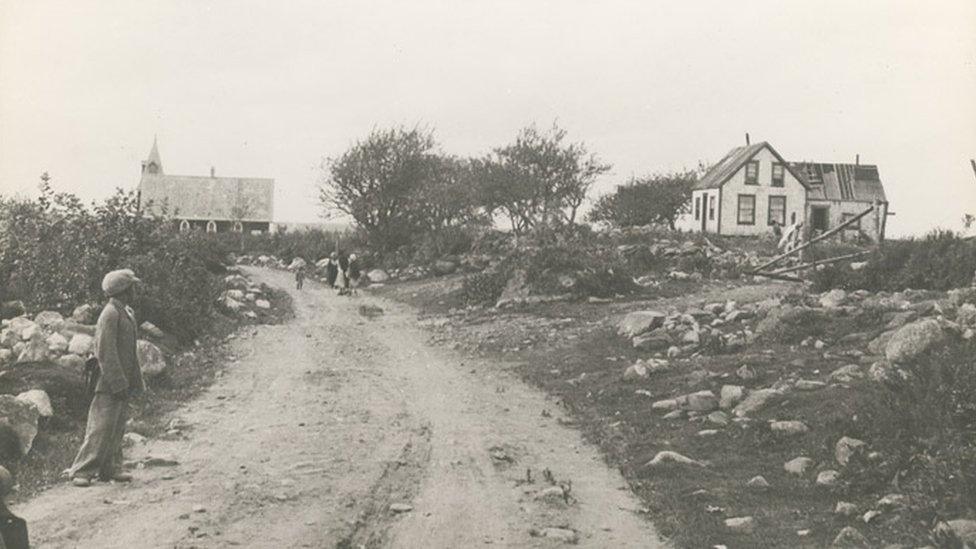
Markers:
{"x": 266, "y": 89}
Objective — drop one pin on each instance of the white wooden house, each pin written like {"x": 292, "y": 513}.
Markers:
{"x": 753, "y": 186}
{"x": 745, "y": 192}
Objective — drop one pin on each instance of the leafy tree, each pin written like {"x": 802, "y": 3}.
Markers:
{"x": 376, "y": 182}
{"x": 657, "y": 199}
{"x": 540, "y": 180}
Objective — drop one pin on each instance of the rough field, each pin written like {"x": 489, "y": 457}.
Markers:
{"x": 343, "y": 428}
{"x": 574, "y": 353}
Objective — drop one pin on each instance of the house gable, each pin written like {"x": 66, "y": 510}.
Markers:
{"x": 736, "y": 160}
{"x": 748, "y": 206}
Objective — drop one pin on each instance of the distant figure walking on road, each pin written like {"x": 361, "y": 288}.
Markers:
{"x": 353, "y": 274}
{"x": 342, "y": 278}
{"x": 299, "y": 277}
{"x": 332, "y": 269}
{"x": 119, "y": 380}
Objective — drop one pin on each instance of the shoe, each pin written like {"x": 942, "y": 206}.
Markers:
{"x": 81, "y": 482}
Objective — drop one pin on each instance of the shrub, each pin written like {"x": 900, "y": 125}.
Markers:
{"x": 925, "y": 423}
{"x": 483, "y": 288}
{"x": 55, "y": 251}
{"x": 940, "y": 261}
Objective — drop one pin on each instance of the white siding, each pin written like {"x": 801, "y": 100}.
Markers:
{"x": 704, "y": 198}
{"x": 794, "y": 192}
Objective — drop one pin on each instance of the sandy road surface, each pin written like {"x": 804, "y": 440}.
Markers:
{"x": 323, "y": 423}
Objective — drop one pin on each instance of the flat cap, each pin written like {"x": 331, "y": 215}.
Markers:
{"x": 118, "y": 281}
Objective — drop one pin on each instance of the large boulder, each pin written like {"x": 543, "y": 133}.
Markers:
{"x": 84, "y": 314}
{"x": 790, "y": 324}
{"x": 40, "y": 400}
{"x": 442, "y": 267}
{"x": 71, "y": 328}
{"x": 20, "y": 418}
{"x": 965, "y": 530}
{"x": 72, "y": 362}
{"x": 236, "y": 281}
{"x": 231, "y": 304}
{"x": 833, "y": 299}
{"x": 35, "y": 350}
{"x": 8, "y": 338}
{"x": 151, "y": 329}
{"x": 151, "y": 359}
{"x": 639, "y": 322}
{"x": 57, "y": 344}
{"x": 20, "y": 325}
{"x": 49, "y": 321}
{"x": 877, "y": 345}
{"x": 730, "y": 396}
{"x": 516, "y": 290}
{"x": 847, "y": 447}
{"x": 377, "y": 275}
{"x": 81, "y": 344}
{"x": 911, "y": 340}
{"x": 755, "y": 401}
{"x": 702, "y": 401}
{"x": 652, "y": 342}
{"x": 966, "y": 315}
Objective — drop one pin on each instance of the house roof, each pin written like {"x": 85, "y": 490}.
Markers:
{"x": 721, "y": 172}
{"x": 846, "y": 182}
{"x": 209, "y": 198}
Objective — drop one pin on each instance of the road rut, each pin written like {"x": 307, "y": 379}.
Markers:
{"x": 320, "y": 425}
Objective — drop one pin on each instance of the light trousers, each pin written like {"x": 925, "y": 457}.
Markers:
{"x": 101, "y": 452}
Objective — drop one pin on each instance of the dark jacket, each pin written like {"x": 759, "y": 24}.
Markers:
{"x": 115, "y": 348}
{"x": 332, "y": 271}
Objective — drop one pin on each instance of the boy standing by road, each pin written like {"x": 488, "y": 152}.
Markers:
{"x": 120, "y": 379}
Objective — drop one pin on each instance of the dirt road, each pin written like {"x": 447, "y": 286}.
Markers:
{"x": 323, "y": 428}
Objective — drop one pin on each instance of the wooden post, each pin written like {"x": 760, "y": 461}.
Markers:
{"x": 785, "y": 270}
{"x": 807, "y": 244}
{"x": 776, "y": 276}
{"x": 877, "y": 222}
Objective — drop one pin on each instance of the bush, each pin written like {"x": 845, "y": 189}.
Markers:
{"x": 942, "y": 260}
{"x": 55, "y": 252}
{"x": 483, "y": 288}
{"x": 311, "y": 245}
{"x": 925, "y": 424}
{"x": 566, "y": 266}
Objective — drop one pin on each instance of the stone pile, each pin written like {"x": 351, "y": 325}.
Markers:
{"x": 244, "y": 298}
{"x": 681, "y": 333}
{"x": 49, "y": 337}
{"x": 912, "y": 323}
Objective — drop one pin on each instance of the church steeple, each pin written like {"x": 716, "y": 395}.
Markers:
{"x": 153, "y": 164}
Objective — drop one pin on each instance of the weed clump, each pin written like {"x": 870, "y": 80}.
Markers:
{"x": 942, "y": 260}
{"x": 923, "y": 421}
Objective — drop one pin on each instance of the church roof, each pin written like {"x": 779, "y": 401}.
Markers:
{"x": 208, "y": 198}
{"x": 204, "y": 198}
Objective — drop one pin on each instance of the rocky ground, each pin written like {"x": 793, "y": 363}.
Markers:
{"x": 342, "y": 428}
{"x": 730, "y": 409}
